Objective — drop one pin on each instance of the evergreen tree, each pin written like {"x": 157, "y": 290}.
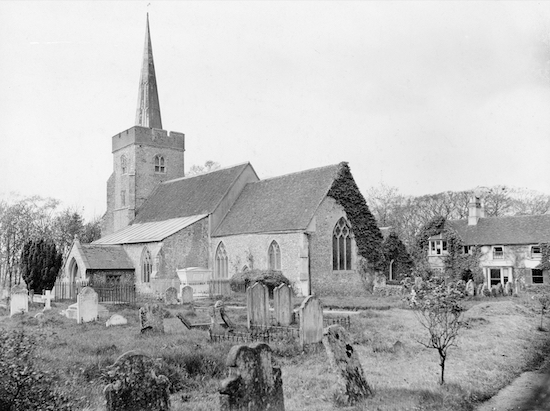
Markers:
{"x": 40, "y": 264}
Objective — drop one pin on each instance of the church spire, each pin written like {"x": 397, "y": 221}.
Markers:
{"x": 148, "y": 107}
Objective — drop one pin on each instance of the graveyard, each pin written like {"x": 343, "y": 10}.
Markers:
{"x": 197, "y": 350}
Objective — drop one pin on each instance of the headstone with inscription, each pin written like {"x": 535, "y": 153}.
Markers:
{"x": 171, "y": 296}
{"x": 86, "y": 305}
{"x": 19, "y": 300}
{"x": 282, "y": 304}
{"x": 257, "y": 304}
{"x": 311, "y": 321}
{"x": 151, "y": 318}
{"x": 186, "y": 294}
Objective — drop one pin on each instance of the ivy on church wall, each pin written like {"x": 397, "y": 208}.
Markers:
{"x": 545, "y": 257}
{"x": 368, "y": 237}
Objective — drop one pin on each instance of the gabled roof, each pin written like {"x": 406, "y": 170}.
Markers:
{"x": 532, "y": 229}
{"x": 104, "y": 257}
{"x": 189, "y": 196}
{"x": 149, "y": 232}
{"x": 285, "y": 203}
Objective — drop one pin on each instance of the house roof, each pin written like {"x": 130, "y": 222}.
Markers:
{"x": 188, "y": 196}
{"x": 532, "y": 229}
{"x": 104, "y": 257}
{"x": 149, "y": 232}
{"x": 285, "y": 203}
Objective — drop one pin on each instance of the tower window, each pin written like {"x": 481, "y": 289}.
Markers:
{"x": 221, "y": 262}
{"x": 274, "y": 254}
{"x": 123, "y": 165}
{"x": 123, "y": 198}
{"x": 341, "y": 246}
{"x": 146, "y": 266}
{"x": 159, "y": 164}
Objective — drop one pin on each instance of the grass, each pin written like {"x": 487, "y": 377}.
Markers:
{"x": 499, "y": 342}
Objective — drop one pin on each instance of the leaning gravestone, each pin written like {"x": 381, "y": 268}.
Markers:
{"x": 19, "y": 301}
{"x": 187, "y": 294}
{"x": 311, "y": 321}
{"x": 86, "y": 305}
{"x": 134, "y": 385}
{"x": 282, "y": 304}
{"x": 171, "y": 296}
{"x": 151, "y": 318}
{"x": 352, "y": 386}
{"x": 255, "y": 384}
{"x": 470, "y": 287}
{"x": 257, "y": 305}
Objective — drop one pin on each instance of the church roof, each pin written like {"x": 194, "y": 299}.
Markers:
{"x": 285, "y": 203}
{"x": 149, "y": 232}
{"x": 104, "y": 257}
{"x": 189, "y": 196}
{"x": 532, "y": 229}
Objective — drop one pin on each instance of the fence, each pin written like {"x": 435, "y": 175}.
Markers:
{"x": 68, "y": 290}
{"x": 263, "y": 334}
{"x": 219, "y": 287}
{"x": 343, "y": 321}
{"x": 116, "y": 293}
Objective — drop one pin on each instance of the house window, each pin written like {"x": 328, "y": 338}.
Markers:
{"x": 536, "y": 276}
{"x": 123, "y": 198}
{"x": 274, "y": 256}
{"x": 467, "y": 249}
{"x": 159, "y": 164}
{"x": 536, "y": 252}
{"x": 146, "y": 266}
{"x": 438, "y": 247}
{"x": 341, "y": 246}
{"x": 495, "y": 276}
{"x": 498, "y": 252}
{"x": 221, "y": 262}
{"x": 123, "y": 165}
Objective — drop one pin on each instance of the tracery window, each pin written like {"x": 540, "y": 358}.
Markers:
{"x": 123, "y": 165}
{"x": 274, "y": 256}
{"x": 341, "y": 246}
{"x": 222, "y": 262}
{"x": 159, "y": 164}
{"x": 146, "y": 266}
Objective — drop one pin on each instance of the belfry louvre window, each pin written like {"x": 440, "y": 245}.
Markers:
{"x": 536, "y": 252}
{"x": 222, "y": 262}
{"x": 498, "y": 252}
{"x": 274, "y": 254}
{"x": 341, "y": 246}
{"x": 123, "y": 165}
{"x": 159, "y": 164}
{"x": 146, "y": 266}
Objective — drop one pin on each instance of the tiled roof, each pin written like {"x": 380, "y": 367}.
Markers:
{"x": 105, "y": 257}
{"x": 188, "y": 196}
{"x": 533, "y": 229}
{"x": 147, "y": 232}
{"x": 284, "y": 203}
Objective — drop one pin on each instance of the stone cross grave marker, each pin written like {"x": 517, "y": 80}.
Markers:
{"x": 151, "y": 318}
{"x": 86, "y": 305}
{"x": 187, "y": 294}
{"x": 311, "y": 321}
{"x": 352, "y": 386}
{"x": 47, "y": 298}
{"x": 171, "y": 296}
{"x": 254, "y": 383}
{"x": 19, "y": 300}
{"x": 282, "y": 303}
{"x": 257, "y": 305}
{"x": 470, "y": 287}
{"x": 135, "y": 385}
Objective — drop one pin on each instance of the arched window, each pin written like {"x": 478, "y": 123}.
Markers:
{"x": 146, "y": 266}
{"x": 274, "y": 256}
{"x": 123, "y": 165}
{"x": 341, "y": 245}
{"x": 159, "y": 164}
{"x": 73, "y": 271}
{"x": 221, "y": 262}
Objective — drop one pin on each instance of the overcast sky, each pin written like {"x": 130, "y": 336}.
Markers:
{"x": 424, "y": 96}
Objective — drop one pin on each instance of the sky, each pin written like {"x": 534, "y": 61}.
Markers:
{"x": 422, "y": 96}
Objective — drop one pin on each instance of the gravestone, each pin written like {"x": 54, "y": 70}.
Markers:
{"x": 282, "y": 303}
{"x": 311, "y": 321}
{"x": 116, "y": 319}
{"x": 508, "y": 289}
{"x": 254, "y": 382}
{"x": 485, "y": 291}
{"x": 494, "y": 291}
{"x": 500, "y": 289}
{"x": 135, "y": 385}
{"x": 257, "y": 305}
{"x": 352, "y": 386}
{"x": 417, "y": 281}
{"x": 470, "y": 288}
{"x": 86, "y": 305}
{"x": 31, "y": 296}
{"x": 47, "y": 298}
{"x": 151, "y": 318}
{"x": 187, "y": 294}
{"x": 479, "y": 290}
{"x": 171, "y": 296}
{"x": 19, "y": 300}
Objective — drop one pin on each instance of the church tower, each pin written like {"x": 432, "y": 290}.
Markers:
{"x": 144, "y": 155}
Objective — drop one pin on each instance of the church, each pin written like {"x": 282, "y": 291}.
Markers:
{"x": 159, "y": 222}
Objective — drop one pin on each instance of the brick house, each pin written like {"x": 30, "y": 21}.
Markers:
{"x": 510, "y": 247}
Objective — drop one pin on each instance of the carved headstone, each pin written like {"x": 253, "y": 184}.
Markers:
{"x": 257, "y": 305}
{"x": 254, "y": 382}
{"x": 352, "y": 386}
{"x": 19, "y": 300}
{"x": 151, "y": 318}
{"x": 86, "y": 305}
{"x": 187, "y": 294}
{"x": 171, "y": 296}
{"x": 311, "y": 321}
{"x": 470, "y": 287}
{"x": 282, "y": 303}
{"x": 135, "y": 385}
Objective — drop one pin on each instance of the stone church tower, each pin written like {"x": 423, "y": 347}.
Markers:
{"x": 144, "y": 155}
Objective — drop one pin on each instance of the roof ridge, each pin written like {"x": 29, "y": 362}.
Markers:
{"x": 205, "y": 173}
{"x": 297, "y": 172}
{"x": 504, "y": 217}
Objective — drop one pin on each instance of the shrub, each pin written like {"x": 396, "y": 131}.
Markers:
{"x": 270, "y": 278}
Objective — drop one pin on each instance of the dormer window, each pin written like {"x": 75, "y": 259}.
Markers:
{"x": 498, "y": 252}
{"x": 438, "y": 247}
{"x": 159, "y": 164}
{"x": 536, "y": 252}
